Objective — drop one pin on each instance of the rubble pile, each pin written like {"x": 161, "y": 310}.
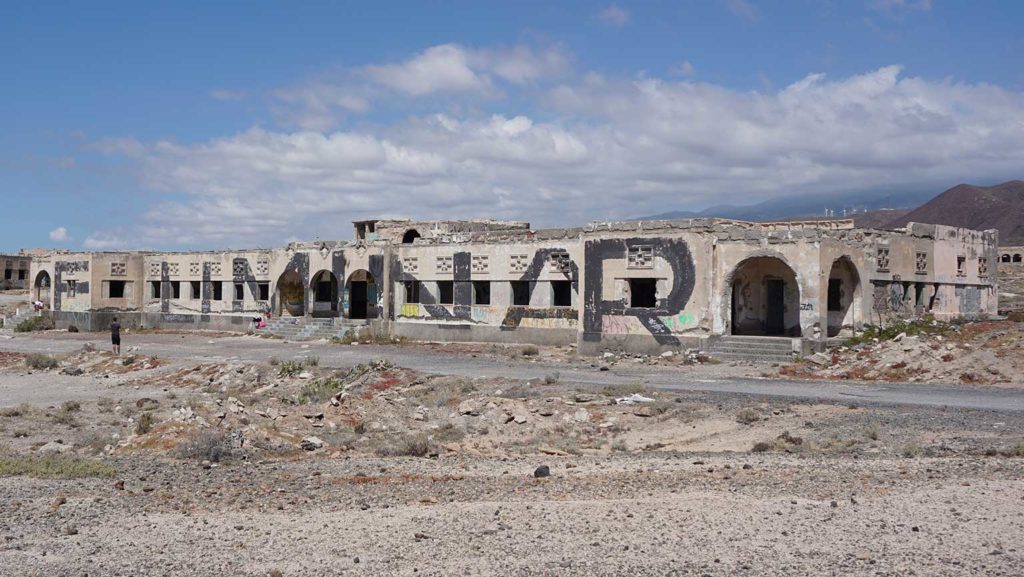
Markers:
{"x": 985, "y": 353}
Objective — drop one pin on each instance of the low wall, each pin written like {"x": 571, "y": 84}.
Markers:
{"x": 642, "y": 344}
{"x": 461, "y": 333}
{"x": 100, "y": 321}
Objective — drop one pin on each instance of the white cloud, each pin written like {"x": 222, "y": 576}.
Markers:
{"x": 111, "y": 241}
{"x": 613, "y": 16}
{"x": 742, "y": 8}
{"x": 444, "y": 68}
{"x": 59, "y": 234}
{"x": 592, "y": 148}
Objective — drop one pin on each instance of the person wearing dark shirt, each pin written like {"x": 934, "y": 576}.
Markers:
{"x": 115, "y": 336}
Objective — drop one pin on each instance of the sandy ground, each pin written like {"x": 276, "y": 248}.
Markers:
{"x": 296, "y": 466}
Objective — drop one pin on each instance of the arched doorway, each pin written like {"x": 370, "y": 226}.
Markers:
{"x": 410, "y": 236}
{"x": 290, "y": 295}
{"x": 361, "y": 295}
{"x": 765, "y": 298}
{"x": 324, "y": 292}
{"x": 42, "y": 287}
{"x": 1005, "y": 258}
{"x": 843, "y": 292}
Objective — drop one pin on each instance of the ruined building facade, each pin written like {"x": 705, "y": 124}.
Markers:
{"x": 641, "y": 285}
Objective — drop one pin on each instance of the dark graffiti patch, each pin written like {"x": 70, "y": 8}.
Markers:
{"x": 165, "y": 288}
{"x": 514, "y": 315}
{"x": 675, "y": 252}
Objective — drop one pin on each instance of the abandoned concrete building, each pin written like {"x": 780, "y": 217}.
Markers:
{"x": 637, "y": 285}
{"x": 16, "y": 271}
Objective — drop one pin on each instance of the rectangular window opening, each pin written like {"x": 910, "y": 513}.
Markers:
{"x": 520, "y": 293}
{"x": 481, "y": 292}
{"x": 561, "y": 293}
{"x": 197, "y": 290}
{"x": 412, "y": 291}
{"x": 72, "y": 288}
{"x": 154, "y": 289}
{"x": 218, "y": 290}
{"x": 264, "y": 290}
{"x": 175, "y": 289}
{"x": 446, "y": 292}
{"x": 239, "y": 291}
{"x": 643, "y": 293}
{"x": 116, "y": 289}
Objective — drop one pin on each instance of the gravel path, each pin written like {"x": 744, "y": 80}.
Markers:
{"x": 703, "y": 378}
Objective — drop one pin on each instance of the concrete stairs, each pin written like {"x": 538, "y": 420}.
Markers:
{"x": 22, "y": 315}
{"x": 752, "y": 349}
{"x": 306, "y": 328}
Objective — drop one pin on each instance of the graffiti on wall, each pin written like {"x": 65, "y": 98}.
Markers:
{"x": 59, "y": 286}
{"x": 675, "y": 252}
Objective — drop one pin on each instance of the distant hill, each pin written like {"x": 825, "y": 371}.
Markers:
{"x": 979, "y": 207}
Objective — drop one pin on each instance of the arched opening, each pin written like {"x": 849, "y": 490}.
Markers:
{"x": 42, "y": 287}
{"x": 1016, "y": 258}
{"x": 1005, "y": 258}
{"x": 361, "y": 295}
{"x": 324, "y": 291}
{"x": 410, "y": 235}
{"x": 765, "y": 298}
{"x": 843, "y": 290}
{"x": 290, "y": 295}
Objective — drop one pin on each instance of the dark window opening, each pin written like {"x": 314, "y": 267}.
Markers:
{"x": 264, "y": 291}
{"x": 239, "y": 291}
{"x": 919, "y": 294}
{"x": 323, "y": 291}
{"x": 1016, "y": 258}
{"x": 1005, "y": 258}
{"x": 218, "y": 290}
{"x": 835, "y": 293}
{"x": 175, "y": 289}
{"x": 8, "y": 274}
{"x": 561, "y": 293}
{"x": 643, "y": 293}
{"x": 934, "y": 297}
{"x": 22, "y": 274}
{"x": 481, "y": 292}
{"x": 520, "y": 293}
{"x": 446, "y": 292}
{"x": 961, "y": 262}
{"x": 197, "y": 292}
{"x": 116, "y": 290}
{"x": 412, "y": 291}
{"x": 72, "y": 288}
{"x": 154, "y": 289}
{"x": 410, "y": 236}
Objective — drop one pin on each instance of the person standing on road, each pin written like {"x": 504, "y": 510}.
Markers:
{"x": 115, "y": 337}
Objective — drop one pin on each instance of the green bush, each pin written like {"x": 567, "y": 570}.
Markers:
{"x": 34, "y": 324}
{"x": 289, "y": 368}
{"x": 320, "y": 390}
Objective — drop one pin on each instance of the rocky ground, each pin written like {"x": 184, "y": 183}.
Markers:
{"x": 212, "y": 466}
{"x": 977, "y": 353}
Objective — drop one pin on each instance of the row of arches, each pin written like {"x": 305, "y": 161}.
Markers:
{"x": 765, "y": 297}
{"x": 1007, "y": 257}
{"x": 359, "y": 294}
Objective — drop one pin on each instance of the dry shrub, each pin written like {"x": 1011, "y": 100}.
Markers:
{"x": 144, "y": 424}
{"x": 748, "y": 416}
{"x": 405, "y": 446}
{"x": 41, "y": 362}
{"x": 213, "y": 446}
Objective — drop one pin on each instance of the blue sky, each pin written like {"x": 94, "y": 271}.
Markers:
{"x": 189, "y": 125}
